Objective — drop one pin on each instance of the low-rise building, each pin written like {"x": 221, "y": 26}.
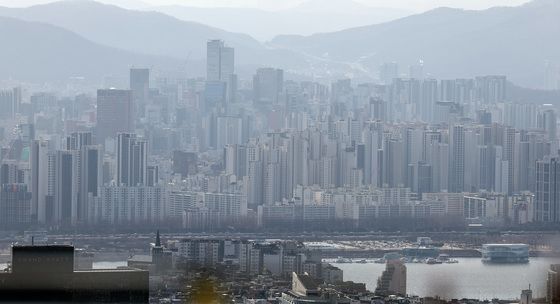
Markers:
{"x": 47, "y": 274}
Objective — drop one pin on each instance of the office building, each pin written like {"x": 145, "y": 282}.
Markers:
{"x": 140, "y": 87}
{"x": 220, "y": 68}
{"x": 115, "y": 113}
{"x": 220, "y": 61}
{"x": 268, "y": 85}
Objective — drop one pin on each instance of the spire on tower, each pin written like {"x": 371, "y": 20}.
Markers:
{"x": 158, "y": 240}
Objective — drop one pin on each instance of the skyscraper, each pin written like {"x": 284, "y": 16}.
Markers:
{"x": 491, "y": 89}
{"x": 220, "y": 67}
{"x": 132, "y": 160}
{"x": 115, "y": 113}
{"x": 457, "y": 159}
{"x": 388, "y": 72}
{"x": 268, "y": 85}
{"x": 66, "y": 188}
{"x": 547, "y": 121}
{"x": 547, "y": 202}
{"x": 220, "y": 61}
{"x": 416, "y": 71}
{"x": 10, "y": 101}
{"x": 39, "y": 179}
{"x": 77, "y": 140}
{"x": 88, "y": 168}
{"x": 140, "y": 87}
{"x": 229, "y": 131}
{"x": 91, "y": 177}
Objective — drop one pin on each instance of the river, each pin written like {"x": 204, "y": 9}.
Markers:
{"x": 470, "y": 278}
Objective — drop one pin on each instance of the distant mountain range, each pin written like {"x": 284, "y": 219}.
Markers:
{"x": 88, "y": 38}
{"x": 41, "y": 52}
{"x": 146, "y": 32}
{"x": 312, "y": 16}
{"x": 512, "y": 41}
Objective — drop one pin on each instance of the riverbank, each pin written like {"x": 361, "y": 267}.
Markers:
{"x": 469, "y": 278}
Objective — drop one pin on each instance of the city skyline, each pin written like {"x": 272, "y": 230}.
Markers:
{"x": 145, "y": 158}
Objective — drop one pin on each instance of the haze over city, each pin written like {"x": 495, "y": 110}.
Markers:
{"x": 280, "y": 152}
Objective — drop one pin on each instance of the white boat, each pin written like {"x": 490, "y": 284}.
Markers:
{"x": 432, "y": 261}
{"x": 342, "y": 260}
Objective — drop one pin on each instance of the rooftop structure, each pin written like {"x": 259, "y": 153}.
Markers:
{"x": 47, "y": 274}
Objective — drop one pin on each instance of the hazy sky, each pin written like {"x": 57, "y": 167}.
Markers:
{"x": 414, "y": 5}
{"x": 409, "y": 4}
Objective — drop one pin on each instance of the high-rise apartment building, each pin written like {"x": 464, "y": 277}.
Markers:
{"x": 66, "y": 188}
{"x": 39, "y": 162}
{"x": 132, "y": 160}
{"x": 547, "y": 201}
{"x": 388, "y": 72}
{"x": 457, "y": 158}
{"x": 490, "y": 89}
{"x": 10, "y": 102}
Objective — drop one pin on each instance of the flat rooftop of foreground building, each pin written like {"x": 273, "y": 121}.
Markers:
{"x": 46, "y": 273}
{"x": 120, "y": 270}
{"x": 142, "y": 258}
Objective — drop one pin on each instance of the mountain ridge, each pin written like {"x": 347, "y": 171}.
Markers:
{"x": 42, "y": 52}
{"x": 515, "y": 41}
